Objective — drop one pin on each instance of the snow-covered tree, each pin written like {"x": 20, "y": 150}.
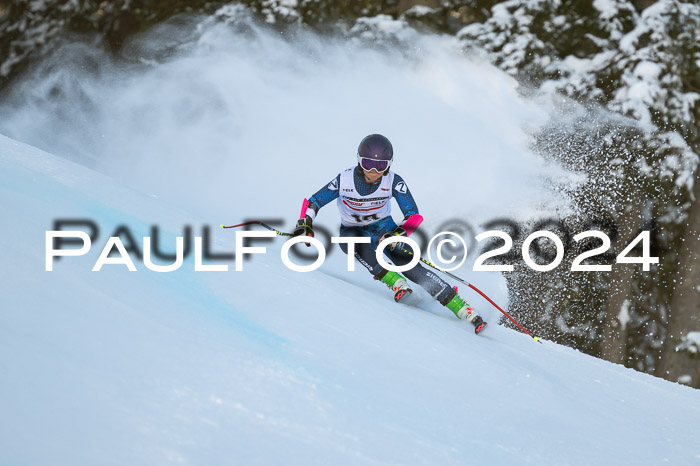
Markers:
{"x": 637, "y": 77}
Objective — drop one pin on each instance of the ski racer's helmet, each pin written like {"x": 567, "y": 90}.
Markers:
{"x": 375, "y": 153}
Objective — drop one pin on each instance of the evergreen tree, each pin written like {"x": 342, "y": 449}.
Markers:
{"x": 640, "y": 165}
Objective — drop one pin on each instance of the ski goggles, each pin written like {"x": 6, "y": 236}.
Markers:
{"x": 378, "y": 166}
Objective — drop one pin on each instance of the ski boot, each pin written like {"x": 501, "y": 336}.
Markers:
{"x": 397, "y": 283}
{"x": 465, "y": 312}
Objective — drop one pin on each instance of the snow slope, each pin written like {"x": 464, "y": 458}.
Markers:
{"x": 269, "y": 366}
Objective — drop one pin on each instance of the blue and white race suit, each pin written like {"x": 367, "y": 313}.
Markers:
{"x": 365, "y": 210}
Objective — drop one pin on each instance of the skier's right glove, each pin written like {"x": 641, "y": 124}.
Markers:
{"x": 398, "y": 231}
{"x": 304, "y": 228}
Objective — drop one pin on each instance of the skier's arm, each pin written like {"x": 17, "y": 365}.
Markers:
{"x": 404, "y": 197}
{"x": 323, "y": 196}
{"x": 408, "y": 208}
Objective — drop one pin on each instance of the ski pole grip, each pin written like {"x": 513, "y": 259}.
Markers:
{"x": 304, "y": 206}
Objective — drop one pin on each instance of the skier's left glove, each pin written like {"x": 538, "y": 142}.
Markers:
{"x": 304, "y": 228}
{"x": 398, "y": 231}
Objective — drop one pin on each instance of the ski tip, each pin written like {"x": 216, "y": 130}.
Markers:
{"x": 480, "y": 327}
{"x": 222, "y": 225}
{"x": 537, "y": 339}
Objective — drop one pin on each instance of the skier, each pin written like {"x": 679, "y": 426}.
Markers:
{"x": 363, "y": 196}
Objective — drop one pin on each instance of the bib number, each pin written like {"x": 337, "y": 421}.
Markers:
{"x": 365, "y": 218}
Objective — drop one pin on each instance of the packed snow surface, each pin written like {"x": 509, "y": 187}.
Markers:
{"x": 269, "y": 366}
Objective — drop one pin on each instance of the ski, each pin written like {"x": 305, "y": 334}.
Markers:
{"x": 401, "y": 293}
{"x": 479, "y": 324}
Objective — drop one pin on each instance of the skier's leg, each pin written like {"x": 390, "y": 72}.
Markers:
{"x": 436, "y": 287}
{"x": 430, "y": 281}
{"x": 365, "y": 254}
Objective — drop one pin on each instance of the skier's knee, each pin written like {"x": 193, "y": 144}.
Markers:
{"x": 402, "y": 255}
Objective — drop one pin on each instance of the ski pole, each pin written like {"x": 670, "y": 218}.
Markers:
{"x": 455, "y": 277}
{"x": 304, "y": 207}
{"x": 257, "y": 222}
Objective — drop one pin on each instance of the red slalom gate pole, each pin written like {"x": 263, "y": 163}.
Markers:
{"x": 537, "y": 339}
